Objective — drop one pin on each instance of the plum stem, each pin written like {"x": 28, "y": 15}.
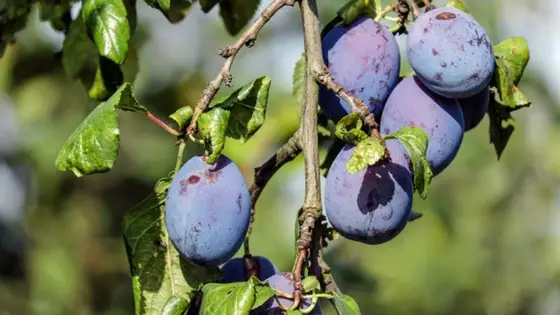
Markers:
{"x": 286, "y": 153}
{"x": 224, "y": 76}
{"x": 180, "y": 152}
{"x": 381, "y": 14}
{"x": 163, "y": 125}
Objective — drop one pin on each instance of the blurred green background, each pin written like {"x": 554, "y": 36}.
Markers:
{"x": 487, "y": 244}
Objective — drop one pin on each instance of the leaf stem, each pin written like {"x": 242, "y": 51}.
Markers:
{"x": 286, "y": 153}
{"x": 180, "y": 152}
{"x": 248, "y": 39}
{"x": 162, "y": 124}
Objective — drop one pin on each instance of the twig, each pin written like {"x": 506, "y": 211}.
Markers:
{"x": 323, "y": 77}
{"x": 413, "y": 7}
{"x": 286, "y": 153}
{"x": 162, "y": 124}
{"x": 309, "y": 138}
{"x": 248, "y": 38}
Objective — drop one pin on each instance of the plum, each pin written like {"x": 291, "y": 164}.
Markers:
{"x": 412, "y": 104}
{"x": 474, "y": 108}
{"x": 207, "y": 210}
{"x": 373, "y": 205}
{"x": 283, "y": 282}
{"x": 450, "y": 52}
{"x": 364, "y": 58}
{"x": 234, "y": 270}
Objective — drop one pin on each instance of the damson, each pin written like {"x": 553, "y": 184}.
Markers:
{"x": 371, "y": 206}
{"x": 474, "y": 108}
{"x": 364, "y": 58}
{"x": 283, "y": 282}
{"x": 412, "y": 104}
{"x": 207, "y": 211}
{"x": 240, "y": 269}
{"x": 450, "y": 52}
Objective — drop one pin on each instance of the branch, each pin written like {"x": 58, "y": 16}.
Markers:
{"x": 229, "y": 53}
{"x": 413, "y": 7}
{"x": 321, "y": 74}
{"x": 310, "y": 141}
{"x": 286, "y": 153}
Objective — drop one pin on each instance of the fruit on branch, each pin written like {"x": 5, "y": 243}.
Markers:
{"x": 364, "y": 58}
{"x": 207, "y": 210}
{"x": 373, "y": 205}
{"x": 283, "y": 282}
{"x": 450, "y": 52}
{"x": 412, "y": 104}
{"x": 236, "y": 270}
{"x": 474, "y": 108}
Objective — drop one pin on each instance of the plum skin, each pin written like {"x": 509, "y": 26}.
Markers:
{"x": 283, "y": 282}
{"x": 364, "y": 58}
{"x": 412, "y": 104}
{"x": 207, "y": 211}
{"x": 474, "y": 108}
{"x": 234, "y": 269}
{"x": 371, "y": 206}
{"x": 450, "y": 52}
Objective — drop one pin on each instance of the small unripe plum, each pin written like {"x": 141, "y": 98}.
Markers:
{"x": 364, "y": 58}
{"x": 450, "y": 52}
{"x": 373, "y": 205}
{"x": 236, "y": 270}
{"x": 207, "y": 211}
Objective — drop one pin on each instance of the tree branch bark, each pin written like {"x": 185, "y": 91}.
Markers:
{"x": 309, "y": 138}
{"x": 248, "y": 38}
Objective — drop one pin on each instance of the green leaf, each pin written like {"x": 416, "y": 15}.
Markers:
{"x": 356, "y": 8}
{"x": 236, "y": 14}
{"x": 367, "y": 152}
{"x": 502, "y": 124}
{"x": 310, "y": 283}
{"x": 294, "y": 312}
{"x": 349, "y": 129}
{"x": 512, "y": 56}
{"x": 94, "y": 145}
{"x": 13, "y": 18}
{"x": 415, "y": 140}
{"x": 158, "y": 271}
{"x": 297, "y": 80}
{"x": 247, "y": 107}
{"x": 174, "y": 10}
{"x": 213, "y": 127}
{"x": 108, "y": 78}
{"x": 108, "y": 26}
{"x": 56, "y": 12}
{"x": 207, "y": 5}
{"x": 459, "y": 4}
{"x": 182, "y": 116}
{"x": 345, "y": 305}
{"x": 236, "y": 298}
{"x": 79, "y": 53}
{"x": 175, "y": 306}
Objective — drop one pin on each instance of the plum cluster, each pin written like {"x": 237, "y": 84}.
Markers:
{"x": 448, "y": 94}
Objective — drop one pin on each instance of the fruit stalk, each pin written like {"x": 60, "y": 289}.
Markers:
{"x": 247, "y": 39}
{"x": 309, "y": 138}
{"x": 286, "y": 153}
